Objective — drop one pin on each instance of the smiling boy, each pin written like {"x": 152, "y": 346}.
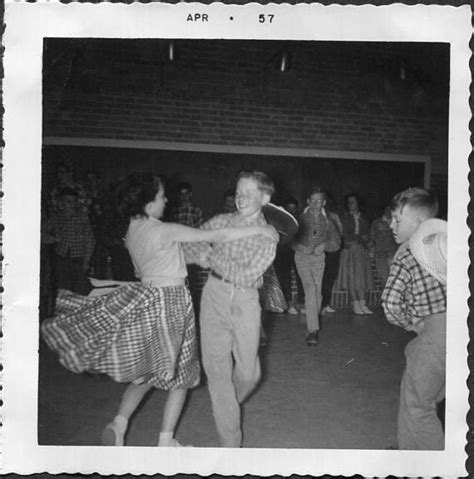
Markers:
{"x": 416, "y": 301}
{"x": 230, "y": 309}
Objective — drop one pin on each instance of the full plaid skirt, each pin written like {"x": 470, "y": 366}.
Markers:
{"x": 133, "y": 334}
{"x": 355, "y": 271}
{"x": 271, "y": 295}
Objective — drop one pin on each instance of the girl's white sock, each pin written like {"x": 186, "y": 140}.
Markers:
{"x": 121, "y": 422}
{"x": 165, "y": 439}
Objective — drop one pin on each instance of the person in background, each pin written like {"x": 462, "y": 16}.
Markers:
{"x": 285, "y": 265}
{"x": 65, "y": 179}
{"x": 332, "y": 255}
{"x": 355, "y": 272}
{"x": 111, "y": 229}
{"x": 382, "y": 244}
{"x": 414, "y": 298}
{"x": 70, "y": 230}
{"x": 94, "y": 191}
{"x": 185, "y": 212}
{"x": 229, "y": 201}
{"x": 316, "y": 230}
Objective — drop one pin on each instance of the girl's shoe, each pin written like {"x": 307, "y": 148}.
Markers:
{"x": 112, "y": 435}
{"x": 364, "y": 307}
{"x": 357, "y": 308}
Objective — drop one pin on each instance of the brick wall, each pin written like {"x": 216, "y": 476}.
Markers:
{"x": 336, "y": 96}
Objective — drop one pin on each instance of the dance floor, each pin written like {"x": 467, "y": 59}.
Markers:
{"x": 341, "y": 394}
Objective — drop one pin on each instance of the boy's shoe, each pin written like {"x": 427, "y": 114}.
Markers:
{"x": 292, "y": 310}
{"x": 112, "y": 435}
{"x": 312, "y": 339}
{"x": 328, "y": 310}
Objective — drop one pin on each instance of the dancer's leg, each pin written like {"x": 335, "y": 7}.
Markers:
{"x": 173, "y": 407}
{"x": 114, "y": 432}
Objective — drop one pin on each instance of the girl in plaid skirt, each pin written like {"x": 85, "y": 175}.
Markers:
{"x": 141, "y": 333}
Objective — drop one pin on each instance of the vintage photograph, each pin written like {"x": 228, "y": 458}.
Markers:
{"x": 244, "y": 253}
{"x": 284, "y": 342}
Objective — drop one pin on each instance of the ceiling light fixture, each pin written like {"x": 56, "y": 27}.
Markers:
{"x": 285, "y": 61}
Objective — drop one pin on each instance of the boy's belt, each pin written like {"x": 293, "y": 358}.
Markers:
{"x": 218, "y": 276}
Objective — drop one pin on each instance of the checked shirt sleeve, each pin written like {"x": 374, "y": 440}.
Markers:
{"x": 411, "y": 294}
{"x": 198, "y": 253}
{"x": 394, "y": 296}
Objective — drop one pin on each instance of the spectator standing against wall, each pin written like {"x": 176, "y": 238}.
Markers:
{"x": 70, "y": 230}
{"x": 355, "y": 271}
{"x": 65, "y": 178}
{"x": 187, "y": 213}
{"x": 316, "y": 229}
{"x": 382, "y": 244}
{"x": 229, "y": 202}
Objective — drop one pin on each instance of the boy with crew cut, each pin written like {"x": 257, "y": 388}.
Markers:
{"x": 230, "y": 309}
{"x": 416, "y": 301}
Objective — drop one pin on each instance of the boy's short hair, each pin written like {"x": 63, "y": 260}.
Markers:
{"x": 66, "y": 191}
{"x": 291, "y": 201}
{"x": 417, "y": 198}
{"x": 185, "y": 186}
{"x": 264, "y": 182}
{"x": 317, "y": 189}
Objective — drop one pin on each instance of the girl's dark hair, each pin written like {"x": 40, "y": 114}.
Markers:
{"x": 139, "y": 190}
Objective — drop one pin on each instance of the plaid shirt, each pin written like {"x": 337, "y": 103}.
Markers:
{"x": 314, "y": 232}
{"x": 411, "y": 293}
{"x": 73, "y": 234}
{"x": 188, "y": 215}
{"x": 241, "y": 262}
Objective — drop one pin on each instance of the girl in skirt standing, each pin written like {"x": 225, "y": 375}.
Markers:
{"x": 355, "y": 271}
{"x": 142, "y": 333}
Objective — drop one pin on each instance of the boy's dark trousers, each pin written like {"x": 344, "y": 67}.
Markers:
{"x": 70, "y": 275}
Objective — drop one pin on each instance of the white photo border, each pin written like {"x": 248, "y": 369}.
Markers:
{"x": 27, "y": 24}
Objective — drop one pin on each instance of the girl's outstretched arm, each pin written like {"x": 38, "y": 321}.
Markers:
{"x": 185, "y": 234}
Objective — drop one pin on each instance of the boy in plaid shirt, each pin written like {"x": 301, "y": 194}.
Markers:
{"x": 416, "y": 301}
{"x": 230, "y": 309}
{"x": 70, "y": 229}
